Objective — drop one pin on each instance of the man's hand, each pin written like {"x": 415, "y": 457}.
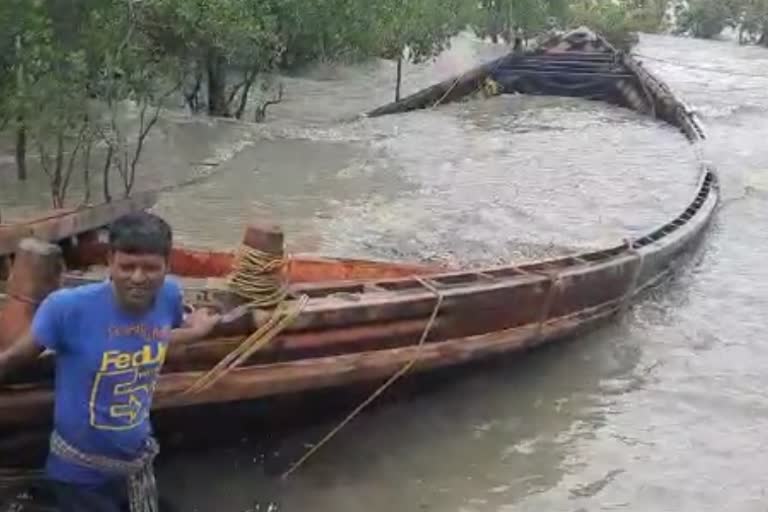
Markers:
{"x": 197, "y": 325}
{"x": 202, "y": 321}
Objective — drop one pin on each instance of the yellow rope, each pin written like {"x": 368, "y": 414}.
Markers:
{"x": 383, "y": 387}
{"x": 259, "y": 278}
{"x": 446, "y": 93}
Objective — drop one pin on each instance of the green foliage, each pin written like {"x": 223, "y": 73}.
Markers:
{"x": 327, "y": 30}
{"x": 751, "y": 18}
{"x": 66, "y": 67}
{"x": 706, "y": 18}
{"x": 424, "y": 27}
{"x": 500, "y": 18}
{"x": 618, "y": 22}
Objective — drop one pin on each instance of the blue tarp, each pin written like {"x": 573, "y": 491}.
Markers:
{"x": 565, "y": 83}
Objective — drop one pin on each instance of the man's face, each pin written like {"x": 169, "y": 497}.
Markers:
{"x": 137, "y": 278}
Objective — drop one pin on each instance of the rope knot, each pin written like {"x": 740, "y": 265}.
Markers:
{"x": 258, "y": 277}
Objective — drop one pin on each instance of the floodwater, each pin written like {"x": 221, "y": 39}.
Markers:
{"x": 665, "y": 409}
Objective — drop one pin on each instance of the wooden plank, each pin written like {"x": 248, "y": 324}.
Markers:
{"x": 64, "y": 224}
{"x": 507, "y": 72}
{"x": 32, "y": 405}
{"x": 382, "y": 320}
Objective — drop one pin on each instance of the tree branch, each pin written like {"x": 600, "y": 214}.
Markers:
{"x": 44, "y": 157}
{"x": 143, "y": 133}
{"x": 105, "y": 174}
{"x": 72, "y": 156}
{"x": 250, "y": 77}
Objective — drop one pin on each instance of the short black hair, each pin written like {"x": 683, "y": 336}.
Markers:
{"x": 141, "y": 233}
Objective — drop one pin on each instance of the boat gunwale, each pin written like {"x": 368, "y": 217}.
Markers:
{"x": 519, "y": 273}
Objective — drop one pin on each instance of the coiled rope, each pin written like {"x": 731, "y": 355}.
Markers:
{"x": 402, "y": 371}
{"x": 258, "y": 277}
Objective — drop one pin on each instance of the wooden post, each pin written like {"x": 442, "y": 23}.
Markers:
{"x": 35, "y": 273}
{"x": 266, "y": 237}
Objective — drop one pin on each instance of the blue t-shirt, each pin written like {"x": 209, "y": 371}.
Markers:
{"x": 107, "y": 364}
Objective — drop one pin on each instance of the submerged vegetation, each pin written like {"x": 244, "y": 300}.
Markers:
{"x": 70, "y": 72}
{"x": 708, "y": 18}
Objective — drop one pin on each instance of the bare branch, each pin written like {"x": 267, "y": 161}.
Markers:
{"x": 277, "y": 100}
{"x": 261, "y": 111}
{"x": 250, "y": 77}
{"x": 143, "y": 133}
{"x": 193, "y": 96}
{"x": 71, "y": 164}
{"x": 87, "y": 171}
{"x": 45, "y": 159}
{"x": 173, "y": 89}
{"x": 234, "y": 92}
{"x": 56, "y": 185}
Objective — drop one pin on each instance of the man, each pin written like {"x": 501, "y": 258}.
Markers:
{"x": 110, "y": 340}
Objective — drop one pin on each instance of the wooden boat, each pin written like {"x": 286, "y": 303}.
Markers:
{"x": 364, "y": 321}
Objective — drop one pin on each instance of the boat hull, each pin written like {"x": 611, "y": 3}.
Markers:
{"x": 364, "y": 320}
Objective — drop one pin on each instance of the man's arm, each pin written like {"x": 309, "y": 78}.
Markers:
{"x": 23, "y": 351}
{"x": 197, "y": 325}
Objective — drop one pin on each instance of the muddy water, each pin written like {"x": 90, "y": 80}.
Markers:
{"x": 663, "y": 410}
{"x": 411, "y": 187}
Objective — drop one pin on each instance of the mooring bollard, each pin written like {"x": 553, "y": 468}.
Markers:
{"x": 35, "y": 273}
{"x": 266, "y": 238}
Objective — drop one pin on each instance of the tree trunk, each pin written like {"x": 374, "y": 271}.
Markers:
{"x": 399, "y": 78}
{"x": 21, "y": 150}
{"x": 57, "y": 188}
{"x": 87, "y": 173}
{"x": 217, "y": 85}
{"x": 105, "y": 175}
{"x": 21, "y": 130}
{"x": 497, "y": 21}
{"x": 193, "y": 97}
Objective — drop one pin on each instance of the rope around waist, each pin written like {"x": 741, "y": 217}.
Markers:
{"x": 69, "y": 453}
